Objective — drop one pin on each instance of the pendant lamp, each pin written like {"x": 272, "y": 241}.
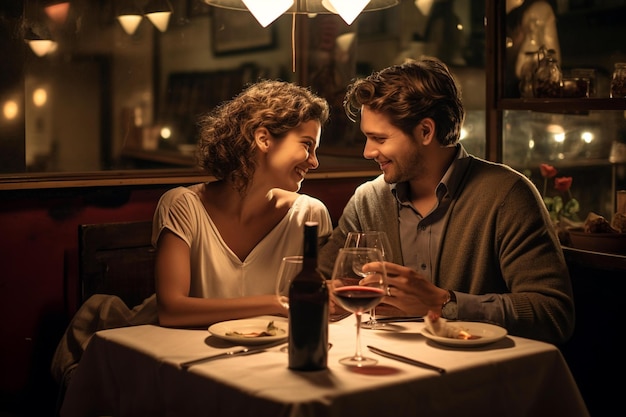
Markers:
{"x": 129, "y": 16}
{"x": 57, "y": 11}
{"x": 40, "y": 41}
{"x": 266, "y": 11}
{"x": 159, "y": 12}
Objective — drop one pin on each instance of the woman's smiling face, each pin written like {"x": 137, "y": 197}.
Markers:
{"x": 290, "y": 158}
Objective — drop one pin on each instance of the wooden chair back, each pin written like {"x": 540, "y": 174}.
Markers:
{"x": 117, "y": 259}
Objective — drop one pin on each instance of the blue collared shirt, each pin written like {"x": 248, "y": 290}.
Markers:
{"x": 421, "y": 233}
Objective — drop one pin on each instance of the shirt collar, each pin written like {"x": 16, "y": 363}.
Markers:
{"x": 448, "y": 184}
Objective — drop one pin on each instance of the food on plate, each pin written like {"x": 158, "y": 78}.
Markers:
{"x": 270, "y": 330}
{"x": 595, "y": 223}
{"x": 440, "y": 327}
{"x": 619, "y": 222}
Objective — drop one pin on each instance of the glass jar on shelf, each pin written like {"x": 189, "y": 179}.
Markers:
{"x": 618, "y": 81}
{"x": 587, "y": 74}
{"x": 548, "y": 80}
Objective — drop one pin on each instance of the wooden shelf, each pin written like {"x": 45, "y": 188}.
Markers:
{"x": 562, "y": 105}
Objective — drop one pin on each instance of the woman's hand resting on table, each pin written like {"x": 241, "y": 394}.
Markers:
{"x": 409, "y": 291}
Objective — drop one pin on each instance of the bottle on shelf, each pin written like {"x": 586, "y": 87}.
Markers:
{"x": 618, "y": 81}
{"x": 308, "y": 310}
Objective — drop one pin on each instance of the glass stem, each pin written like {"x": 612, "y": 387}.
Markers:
{"x": 373, "y": 321}
{"x": 358, "y": 354}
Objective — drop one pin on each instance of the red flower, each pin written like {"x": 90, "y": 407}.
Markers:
{"x": 547, "y": 171}
{"x": 562, "y": 183}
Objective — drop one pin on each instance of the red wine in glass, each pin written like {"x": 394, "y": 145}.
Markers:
{"x": 358, "y": 298}
{"x": 358, "y": 290}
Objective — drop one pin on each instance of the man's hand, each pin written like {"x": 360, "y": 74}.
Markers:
{"x": 409, "y": 291}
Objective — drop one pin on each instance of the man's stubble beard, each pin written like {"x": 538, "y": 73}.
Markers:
{"x": 405, "y": 170}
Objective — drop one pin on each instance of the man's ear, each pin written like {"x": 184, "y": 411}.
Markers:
{"x": 425, "y": 131}
{"x": 263, "y": 139}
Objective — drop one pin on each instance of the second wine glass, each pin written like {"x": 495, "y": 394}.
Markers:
{"x": 358, "y": 291}
{"x": 370, "y": 239}
{"x": 290, "y": 266}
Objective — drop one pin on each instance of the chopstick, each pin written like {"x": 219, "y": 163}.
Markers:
{"x": 406, "y": 360}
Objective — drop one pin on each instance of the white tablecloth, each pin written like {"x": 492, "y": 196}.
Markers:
{"x": 135, "y": 371}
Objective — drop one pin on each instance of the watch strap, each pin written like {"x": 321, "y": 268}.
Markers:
{"x": 449, "y": 308}
{"x": 451, "y": 298}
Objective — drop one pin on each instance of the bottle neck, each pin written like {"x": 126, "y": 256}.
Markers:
{"x": 310, "y": 245}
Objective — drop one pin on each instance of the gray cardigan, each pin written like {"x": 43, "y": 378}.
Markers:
{"x": 498, "y": 239}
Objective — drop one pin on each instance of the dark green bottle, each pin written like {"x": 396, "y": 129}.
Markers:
{"x": 308, "y": 310}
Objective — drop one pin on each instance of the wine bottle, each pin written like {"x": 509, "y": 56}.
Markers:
{"x": 308, "y": 310}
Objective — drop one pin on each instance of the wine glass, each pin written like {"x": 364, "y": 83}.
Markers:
{"x": 358, "y": 291}
{"x": 370, "y": 239}
{"x": 290, "y": 266}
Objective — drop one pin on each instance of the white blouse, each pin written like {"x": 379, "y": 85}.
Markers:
{"x": 216, "y": 272}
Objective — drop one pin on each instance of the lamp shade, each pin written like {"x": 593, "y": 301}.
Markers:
{"x": 129, "y": 15}
{"x": 159, "y": 12}
{"x": 159, "y": 19}
{"x": 267, "y": 11}
{"x": 347, "y": 9}
{"x": 40, "y": 41}
{"x": 307, "y": 6}
{"x": 42, "y": 47}
{"x": 130, "y": 22}
{"x": 57, "y": 11}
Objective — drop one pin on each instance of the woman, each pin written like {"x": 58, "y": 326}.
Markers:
{"x": 219, "y": 244}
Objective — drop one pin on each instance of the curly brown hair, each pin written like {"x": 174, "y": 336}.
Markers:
{"x": 410, "y": 92}
{"x": 227, "y": 147}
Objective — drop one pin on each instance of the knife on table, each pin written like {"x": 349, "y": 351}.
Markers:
{"x": 238, "y": 351}
{"x": 399, "y": 319}
{"x": 406, "y": 360}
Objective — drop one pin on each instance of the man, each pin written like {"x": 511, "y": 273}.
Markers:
{"x": 471, "y": 239}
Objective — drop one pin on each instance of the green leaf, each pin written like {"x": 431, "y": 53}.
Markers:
{"x": 572, "y": 207}
{"x": 558, "y": 204}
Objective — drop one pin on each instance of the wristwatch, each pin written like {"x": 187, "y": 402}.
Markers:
{"x": 449, "y": 309}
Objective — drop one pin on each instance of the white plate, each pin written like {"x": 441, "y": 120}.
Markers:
{"x": 256, "y": 324}
{"x": 488, "y": 333}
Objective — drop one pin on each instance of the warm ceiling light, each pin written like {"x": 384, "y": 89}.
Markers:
{"x": 347, "y": 9}
{"x": 129, "y": 22}
{"x": 424, "y": 6}
{"x": 159, "y": 12}
{"x": 129, "y": 16}
{"x": 41, "y": 47}
{"x": 57, "y": 12}
{"x": 160, "y": 20}
{"x": 266, "y": 11}
{"x": 40, "y": 44}
{"x": 10, "y": 109}
{"x": 345, "y": 41}
{"x": 40, "y": 97}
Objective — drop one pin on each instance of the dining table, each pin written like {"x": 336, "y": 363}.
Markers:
{"x": 138, "y": 371}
